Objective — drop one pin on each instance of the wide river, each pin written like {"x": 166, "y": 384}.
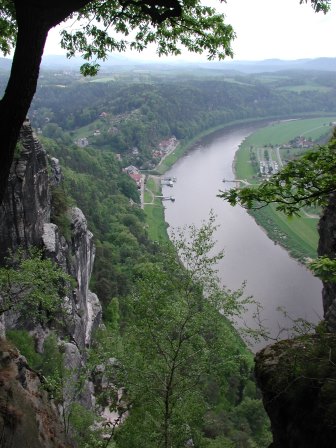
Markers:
{"x": 272, "y": 277}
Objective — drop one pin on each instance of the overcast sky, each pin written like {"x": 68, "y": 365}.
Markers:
{"x": 265, "y": 29}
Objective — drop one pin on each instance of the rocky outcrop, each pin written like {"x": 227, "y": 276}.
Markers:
{"x": 25, "y": 221}
{"x": 327, "y": 247}
{"x": 26, "y": 205}
{"x": 76, "y": 257}
{"x": 27, "y": 418}
{"x": 298, "y": 381}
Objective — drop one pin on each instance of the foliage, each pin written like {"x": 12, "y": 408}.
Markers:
{"x": 324, "y": 268}
{"x": 7, "y": 26}
{"x": 307, "y": 181}
{"x": 60, "y": 203}
{"x": 26, "y": 345}
{"x": 83, "y": 425}
{"x": 319, "y": 5}
{"x": 198, "y": 28}
{"x": 141, "y": 114}
{"x": 116, "y": 220}
{"x": 32, "y": 286}
{"x": 188, "y": 23}
{"x": 176, "y": 339}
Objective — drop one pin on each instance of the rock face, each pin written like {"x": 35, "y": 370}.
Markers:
{"x": 327, "y": 246}
{"x": 76, "y": 258}
{"x": 26, "y": 206}
{"x": 25, "y": 221}
{"x": 27, "y": 418}
{"x": 298, "y": 381}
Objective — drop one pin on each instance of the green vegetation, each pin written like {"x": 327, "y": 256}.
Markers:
{"x": 109, "y": 199}
{"x": 156, "y": 225}
{"x": 132, "y": 114}
{"x": 33, "y": 287}
{"x": 60, "y": 203}
{"x": 297, "y": 234}
{"x": 309, "y": 182}
{"x": 195, "y": 382}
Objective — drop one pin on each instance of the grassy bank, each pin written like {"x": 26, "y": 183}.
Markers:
{"x": 185, "y": 146}
{"x": 298, "y": 234}
{"x": 154, "y": 210}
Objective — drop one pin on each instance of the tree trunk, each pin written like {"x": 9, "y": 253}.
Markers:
{"x": 32, "y": 34}
{"x": 34, "y": 20}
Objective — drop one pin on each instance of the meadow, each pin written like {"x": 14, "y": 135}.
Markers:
{"x": 298, "y": 234}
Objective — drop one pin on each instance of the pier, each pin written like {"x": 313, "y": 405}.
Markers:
{"x": 237, "y": 182}
{"x": 166, "y": 198}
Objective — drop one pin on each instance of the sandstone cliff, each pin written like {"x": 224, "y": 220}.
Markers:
{"x": 24, "y": 221}
{"x": 298, "y": 381}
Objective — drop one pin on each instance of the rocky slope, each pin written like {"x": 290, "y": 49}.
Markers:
{"x": 298, "y": 381}
{"x": 24, "y": 221}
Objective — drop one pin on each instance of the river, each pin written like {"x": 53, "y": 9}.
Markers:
{"x": 272, "y": 277}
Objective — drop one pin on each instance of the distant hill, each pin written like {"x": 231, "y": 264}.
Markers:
{"x": 268, "y": 65}
{"x": 119, "y": 61}
{"x": 275, "y": 65}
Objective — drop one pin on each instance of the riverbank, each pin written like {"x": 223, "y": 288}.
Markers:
{"x": 271, "y": 276}
{"x": 185, "y": 146}
{"x": 298, "y": 235}
{"x": 188, "y": 145}
{"x": 153, "y": 206}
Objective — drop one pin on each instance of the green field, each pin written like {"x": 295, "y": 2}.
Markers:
{"x": 155, "y": 220}
{"x": 87, "y": 130}
{"x": 279, "y": 133}
{"x": 298, "y": 234}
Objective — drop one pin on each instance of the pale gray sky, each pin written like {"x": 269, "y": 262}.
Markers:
{"x": 265, "y": 29}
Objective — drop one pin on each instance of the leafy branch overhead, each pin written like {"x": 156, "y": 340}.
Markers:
{"x": 169, "y": 25}
{"x": 307, "y": 181}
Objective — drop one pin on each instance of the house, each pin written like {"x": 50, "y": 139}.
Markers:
{"x": 137, "y": 178}
{"x": 131, "y": 169}
{"x": 82, "y": 142}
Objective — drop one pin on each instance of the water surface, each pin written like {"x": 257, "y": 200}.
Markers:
{"x": 272, "y": 276}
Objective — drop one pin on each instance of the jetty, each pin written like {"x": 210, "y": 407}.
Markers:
{"x": 237, "y": 181}
{"x": 166, "y": 198}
